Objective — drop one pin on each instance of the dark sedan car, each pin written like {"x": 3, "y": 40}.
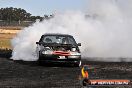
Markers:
{"x": 58, "y": 48}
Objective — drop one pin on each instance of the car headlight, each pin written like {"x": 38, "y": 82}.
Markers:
{"x": 75, "y": 53}
{"x": 47, "y": 52}
{"x": 73, "y": 49}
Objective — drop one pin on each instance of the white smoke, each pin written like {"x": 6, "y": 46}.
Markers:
{"x": 104, "y": 31}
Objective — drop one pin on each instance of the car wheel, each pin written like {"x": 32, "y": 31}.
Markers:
{"x": 78, "y": 64}
{"x": 39, "y": 61}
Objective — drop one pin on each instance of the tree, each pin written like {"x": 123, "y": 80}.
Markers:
{"x": 13, "y": 14}
{"x": 18, "y": 14}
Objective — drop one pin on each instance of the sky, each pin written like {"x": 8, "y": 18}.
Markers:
{"x": 41, "y": 7}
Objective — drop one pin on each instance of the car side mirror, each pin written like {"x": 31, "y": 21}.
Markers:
{"x": 37, "y": 42}
{"x": 79, "y": 44}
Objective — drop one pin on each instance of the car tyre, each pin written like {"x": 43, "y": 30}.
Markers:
{"x": 39, "y": 61}
{"x": 78, "y": 64}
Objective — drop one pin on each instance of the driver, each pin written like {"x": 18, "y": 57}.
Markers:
{"x": 48, "y": 40}
{"x": 64, "y": 41}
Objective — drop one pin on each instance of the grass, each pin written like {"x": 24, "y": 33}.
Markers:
{"x": 5, "y": 41}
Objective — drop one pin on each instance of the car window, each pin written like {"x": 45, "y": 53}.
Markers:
{"x": 53, "y": 39}
{"x": 71, "y": 40}
{"x": 58, "y": 39}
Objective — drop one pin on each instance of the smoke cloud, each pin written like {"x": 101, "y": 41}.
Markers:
{"x": 105, "y": 31}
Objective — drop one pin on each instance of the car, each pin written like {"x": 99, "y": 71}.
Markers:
{"x": 58, "y": 48}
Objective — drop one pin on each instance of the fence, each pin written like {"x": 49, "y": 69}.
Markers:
{"x": 15, "y": 23}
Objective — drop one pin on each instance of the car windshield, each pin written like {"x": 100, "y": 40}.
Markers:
{"x": 58, "y": 39}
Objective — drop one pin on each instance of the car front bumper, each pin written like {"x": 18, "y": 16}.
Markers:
{"x": 60, "y": 59}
